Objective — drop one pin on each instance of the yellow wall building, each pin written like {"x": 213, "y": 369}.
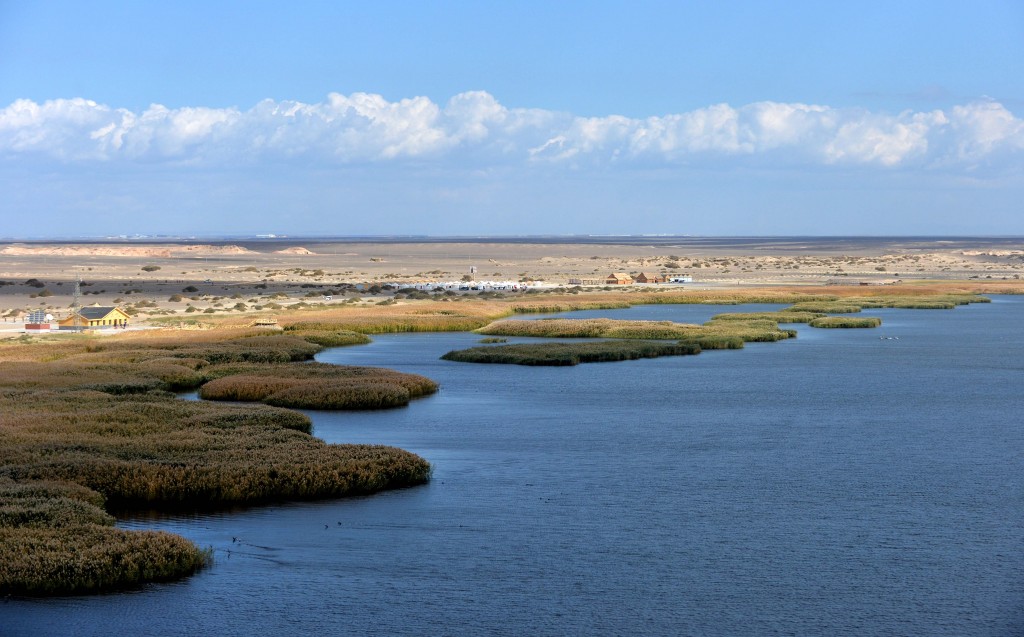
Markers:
{"x": 93, "y": 317}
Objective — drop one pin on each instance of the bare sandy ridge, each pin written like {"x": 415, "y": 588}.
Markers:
{"x": 269, "y": 274}
{"x": 120, "y": 251}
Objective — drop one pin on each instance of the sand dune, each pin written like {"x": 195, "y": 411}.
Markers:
{"x": 164, "y": 252}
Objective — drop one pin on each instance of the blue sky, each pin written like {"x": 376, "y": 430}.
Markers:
{"x": 716, "y": 118}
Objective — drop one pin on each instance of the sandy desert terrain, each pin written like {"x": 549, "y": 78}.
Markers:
{"x": 172, "y": 278}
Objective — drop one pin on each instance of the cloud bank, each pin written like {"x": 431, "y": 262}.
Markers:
{"x": 474, "y": 129}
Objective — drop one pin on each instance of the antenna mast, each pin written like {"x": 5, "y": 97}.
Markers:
{"x": 78, "y": 295}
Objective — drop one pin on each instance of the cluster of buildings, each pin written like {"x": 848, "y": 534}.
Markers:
{"x": 84, "y": 318}
{"x": 112, "y": 317}
{"x": 622, "y": 278}
{"x": 479, "y": 286}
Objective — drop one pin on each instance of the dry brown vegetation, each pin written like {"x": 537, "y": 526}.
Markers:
{"x": 568, "y": 354}
{"x": 319, "y": 386}
{"x": 717, "y": 333}
{"x": 846, "y": 322}
{"x": 87, "y": 422}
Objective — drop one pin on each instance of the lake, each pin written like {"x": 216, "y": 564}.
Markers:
{"x": 847, "y": 482}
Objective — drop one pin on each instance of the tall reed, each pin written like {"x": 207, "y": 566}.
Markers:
{"x": 568, "y": 354}
{"x": 85, "y": 421}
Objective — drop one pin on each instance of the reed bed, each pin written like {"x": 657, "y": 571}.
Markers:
{"x": 319, "y": 386}
{"x": 555, "y": 327}
{"x": 748, "y": 331}
{"x": 408, "y": 316}
{"x": 86, "y": 422}
{"x": 567, "y": 354}
{"x": 931, "y": 302}
{"x": 332, "y": 338}
{"x": 718, "y": 333}
{"x": 826, "y": 307}
{"x": 846, "y": 322}
{"x": 571, "y": 306}
{"x": 155, "y": 449}
{"x": 91, "y": 558}
{"x": 782, "y": 316}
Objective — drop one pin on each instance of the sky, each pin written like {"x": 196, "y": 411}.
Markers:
{"x": 511, "y": 118}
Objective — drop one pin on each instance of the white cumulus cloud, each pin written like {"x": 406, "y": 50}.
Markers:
{"x": 474, "y": 128}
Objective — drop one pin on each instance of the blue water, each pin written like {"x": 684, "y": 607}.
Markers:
{"x": 835, "y": 484}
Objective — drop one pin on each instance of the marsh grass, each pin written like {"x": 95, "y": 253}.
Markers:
{"x": 320, "y": 386}
{"x": 332, "y": 338}
{"x": 930, "y": 302}
{"x": 567, "y": 354}
{"x": 85, "y": 421}
{"x": 721, "y": 332}
{"x": 782, "y": 316}
{"x": 846, "y": 322}
{"x": 826, "y": 307}
{"x": 90, "y": 558}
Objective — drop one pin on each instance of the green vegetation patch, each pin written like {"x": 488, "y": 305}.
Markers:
{"x": 564, "y": 354}
{"x": 845, "y": 322}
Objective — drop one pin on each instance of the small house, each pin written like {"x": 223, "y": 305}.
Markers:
{"x": 93, "y": 317}
{"x": 649, "y": 277}
{"x": 619, "y": 278}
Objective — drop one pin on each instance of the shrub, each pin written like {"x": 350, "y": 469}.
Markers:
{"x": 150, "y": 268}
